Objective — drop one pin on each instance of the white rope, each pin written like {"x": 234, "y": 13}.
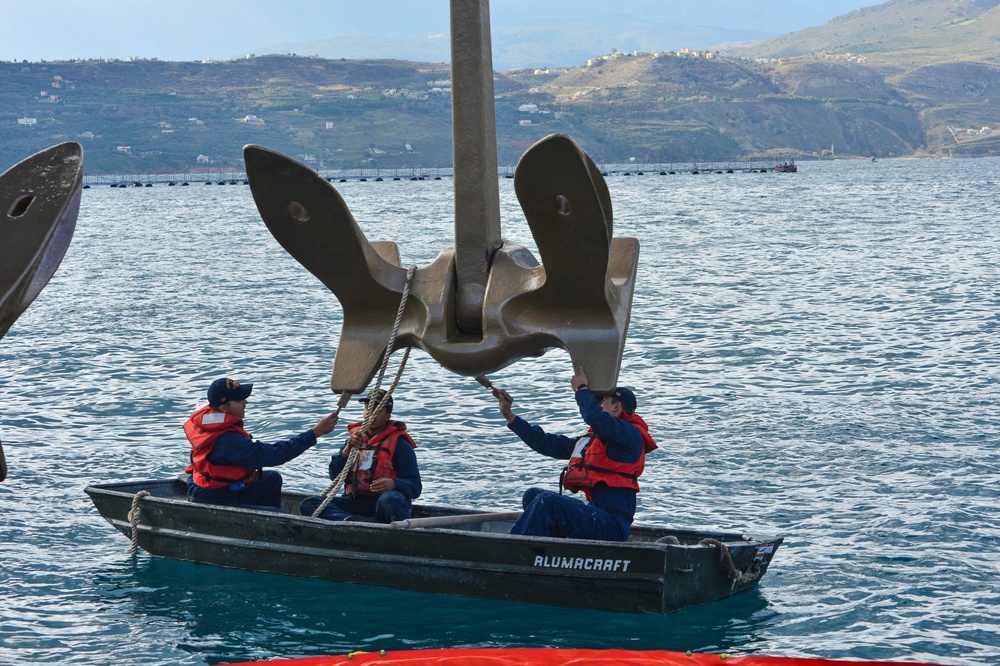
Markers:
{"x": 372, "y": 412}
{"x": 744, "y": 578}
{"x": 133, "y": 521}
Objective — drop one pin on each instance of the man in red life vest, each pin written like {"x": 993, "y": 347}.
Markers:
{"x": 605, "y": 464}
{"x": 226, "y": 462}
{"x": 385, "y": 478}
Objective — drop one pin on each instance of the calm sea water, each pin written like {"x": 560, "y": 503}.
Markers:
{"x": 817, "y": 354}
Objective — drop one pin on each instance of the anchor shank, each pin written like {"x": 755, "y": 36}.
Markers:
{"x": 474, "y": 151}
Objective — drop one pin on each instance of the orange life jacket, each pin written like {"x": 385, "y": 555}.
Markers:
{"x": 203, "y": 430}
{"x": 590, "y": 464}
{"x": 374, "y": 459}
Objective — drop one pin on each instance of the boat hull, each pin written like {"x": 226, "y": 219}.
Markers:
{"x": 478, "y": 559}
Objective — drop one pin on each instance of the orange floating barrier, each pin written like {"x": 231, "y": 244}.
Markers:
{"x": 558, "y": 657}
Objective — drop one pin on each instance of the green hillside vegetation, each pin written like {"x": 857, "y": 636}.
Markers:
{"x": 940, "y": 56}
{"x": 803, "y": 94}
{"x": 900, "y": 34}
{"x": 683, "y": 106}
{"x": 155, "y": 117}
{"x": 169, "y": 113}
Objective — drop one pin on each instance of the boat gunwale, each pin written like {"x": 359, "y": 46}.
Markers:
{"x": 692, "y": 535}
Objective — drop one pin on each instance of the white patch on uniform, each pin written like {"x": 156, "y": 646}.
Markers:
{"x": 212, "y": 418}
{"x": 580, "y": 443}
{"x": 365, "y": 459}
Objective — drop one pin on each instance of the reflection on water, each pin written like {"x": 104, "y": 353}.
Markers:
{"x": 217, "y": 614}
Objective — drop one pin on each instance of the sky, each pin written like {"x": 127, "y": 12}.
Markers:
{"x": 225, "y": 29}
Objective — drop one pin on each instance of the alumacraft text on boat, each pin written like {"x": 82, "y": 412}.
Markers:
{"x": 586, "y": 563}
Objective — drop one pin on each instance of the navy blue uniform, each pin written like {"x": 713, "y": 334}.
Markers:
{"x": 385, "y": 507}
{"x": 608, "y": 516}
{"x": 233, "y": 448}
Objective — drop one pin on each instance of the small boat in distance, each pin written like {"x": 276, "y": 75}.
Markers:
{"x": 787, "y": 166}
{"x": 442, "y": 550}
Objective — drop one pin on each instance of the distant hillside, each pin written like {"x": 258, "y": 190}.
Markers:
{"x": 692, "y": 107}
{"x": 161, "y": 116}
{"x": 940, "y": 56}
{"x": 134, "y": 117}
{"x": 150, "y": 116}
{"x": 902, "y": 34}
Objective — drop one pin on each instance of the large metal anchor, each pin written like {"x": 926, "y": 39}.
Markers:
{"x": 485, "y": 302}
{"x": 39, "y": 203}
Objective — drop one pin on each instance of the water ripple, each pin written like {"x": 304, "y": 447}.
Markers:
{"x": 816, "y": 354}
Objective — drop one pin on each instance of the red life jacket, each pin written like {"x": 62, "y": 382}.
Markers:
{"x": 375, "y": 456}
{"x": 590, "y": 464}
{"x": 203, "y": 430}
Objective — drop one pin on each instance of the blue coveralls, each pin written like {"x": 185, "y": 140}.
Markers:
{"x": 385, "y": 508}
{"x": 264, "y": 493}
{"x": 608, "y": 516}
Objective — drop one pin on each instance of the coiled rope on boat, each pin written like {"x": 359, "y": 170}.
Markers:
{"x": 133, "y": 521}
{"x": 371, "y": 413}
{"x": 739, "y": 578}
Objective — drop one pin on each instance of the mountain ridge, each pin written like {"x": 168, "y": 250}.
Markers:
{"x": 668, "y": 106}
{"x": 900, "y": 34}
{"x": 564, "y": 43}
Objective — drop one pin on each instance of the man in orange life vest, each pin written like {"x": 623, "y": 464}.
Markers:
{"x": 226, "y": 462}
{"x": 605, "y": 464}
{"x": 385, "y": 479}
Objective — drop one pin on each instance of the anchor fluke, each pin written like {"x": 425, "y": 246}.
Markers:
{"x": 308, "y": 217}
{"x": 586, "y": 298}
{"x": 39, "y": 204}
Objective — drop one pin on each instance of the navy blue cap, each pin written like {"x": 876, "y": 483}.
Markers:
{"x": 379, "y": 396}
{"x": 626, "y": 397}
{"x": 225, "y": 389}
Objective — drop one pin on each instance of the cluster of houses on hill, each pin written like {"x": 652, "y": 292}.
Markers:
{"x": 839, "y": 57}
{"x": 680, "y": 53}
{"x": 969, "y": 132}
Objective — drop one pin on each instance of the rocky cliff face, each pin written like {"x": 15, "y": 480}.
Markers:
{"x": 957, "y": 82}
{"x": 829, "y": 79}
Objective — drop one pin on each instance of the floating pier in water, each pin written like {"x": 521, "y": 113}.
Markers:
{"x": 383, "y": 174}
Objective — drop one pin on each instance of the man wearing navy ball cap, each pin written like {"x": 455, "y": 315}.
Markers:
{"x": 385, "y": 478}
{"x": 227, "y": 463}
{"x": 605, "y": 464}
